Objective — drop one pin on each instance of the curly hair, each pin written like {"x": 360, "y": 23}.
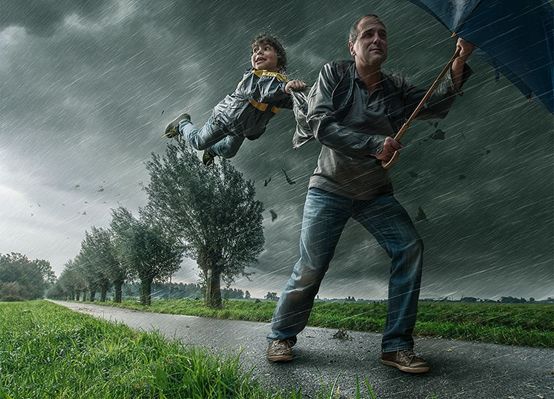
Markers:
{"x": 266, "y": 38}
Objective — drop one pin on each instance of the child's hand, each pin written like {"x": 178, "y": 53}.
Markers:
{"x": 294, "y": 85}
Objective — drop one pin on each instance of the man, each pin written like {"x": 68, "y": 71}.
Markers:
{"x": 353, "y": 110}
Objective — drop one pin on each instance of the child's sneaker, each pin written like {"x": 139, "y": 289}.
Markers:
{"x": 172, "y": 130}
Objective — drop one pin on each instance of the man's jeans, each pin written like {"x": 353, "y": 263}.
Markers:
{"x": 325, "y": 215}
{"x": 211, "y": 136}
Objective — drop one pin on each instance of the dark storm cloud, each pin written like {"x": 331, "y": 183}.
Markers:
{"x": 86, "y": 84}
{"x": 41, "y": 17}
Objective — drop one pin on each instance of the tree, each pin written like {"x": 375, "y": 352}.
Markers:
{"x": 101, "y": 243}
{"x": 213, "y": 211}
{"x": 70, "y": 284}
{"x": 146, "y": 249}
{"x": 272, "y": 296}
{"x": 247, "y": 295}
{"x": 97, "y": 259}
{"x": 22, "y": 278}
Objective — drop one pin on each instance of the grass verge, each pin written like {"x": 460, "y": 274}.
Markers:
{"x": 47, "y": 351}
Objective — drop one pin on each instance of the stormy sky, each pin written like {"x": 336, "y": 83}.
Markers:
{"x": 88, "y": 87}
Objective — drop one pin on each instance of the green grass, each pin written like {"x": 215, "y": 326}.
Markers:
{"x": 47, "y": 351}
{"x": 508, "y": 324}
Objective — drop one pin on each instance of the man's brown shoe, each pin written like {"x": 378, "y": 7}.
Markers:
{"x": 405, "y": 360}
{"x": 280, "y": 350}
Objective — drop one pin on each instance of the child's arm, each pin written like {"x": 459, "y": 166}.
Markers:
{"x": 273, "y": 88}
{"x": 294, "y": 85}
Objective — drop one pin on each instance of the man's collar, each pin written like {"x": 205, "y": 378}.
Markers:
{"x": 359, "y": 80}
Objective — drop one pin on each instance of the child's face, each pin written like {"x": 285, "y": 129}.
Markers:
{"x": 264, "y": 56}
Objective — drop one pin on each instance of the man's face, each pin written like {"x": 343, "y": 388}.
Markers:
{"x": 370, "y": 46}
{"x": 264, "y": 56}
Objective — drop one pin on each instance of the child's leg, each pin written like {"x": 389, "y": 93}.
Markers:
{"x": 208, "y": 135}
{"x": 228, "y": 147}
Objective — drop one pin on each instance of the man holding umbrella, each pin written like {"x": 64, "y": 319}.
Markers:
{"x": 353, "y": 110}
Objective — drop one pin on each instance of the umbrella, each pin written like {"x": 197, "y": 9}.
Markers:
{"x": 516, "y": 37}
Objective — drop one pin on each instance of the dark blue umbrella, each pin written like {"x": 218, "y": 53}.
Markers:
{"x": 517, "y": 37}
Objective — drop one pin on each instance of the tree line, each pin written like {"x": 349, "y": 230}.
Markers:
{"x": 209, "y": 214}
{"x": 22, "y": 278}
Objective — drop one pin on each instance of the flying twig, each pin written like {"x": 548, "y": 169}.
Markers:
{"x": 289, "y": 180}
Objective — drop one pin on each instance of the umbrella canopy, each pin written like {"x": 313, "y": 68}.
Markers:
{"x": 517, "y": 37}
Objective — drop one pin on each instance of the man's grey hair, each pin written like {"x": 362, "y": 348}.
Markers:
{"x": 353, "y": 35}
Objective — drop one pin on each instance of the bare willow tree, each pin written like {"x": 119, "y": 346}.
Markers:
{"x": 146, "y": 249}
{"x": 213, "y": 210}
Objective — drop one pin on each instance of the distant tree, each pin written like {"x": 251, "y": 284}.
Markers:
{"x": 71, "y": 283}
{"x": 146, "y": 249}
{"x": 468, "y": 299}
{"x": 102, "y": 252}
{"x": 247, "y": 295}
{"x": 212, "y": 210}
{"x": 272, "y": 296}
{"x": 97, "y": 259}
{"x": 22, "y": 278}
{"x": 11, "y": 292}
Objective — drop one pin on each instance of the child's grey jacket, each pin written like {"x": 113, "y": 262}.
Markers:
{"x": 258, "y": 96}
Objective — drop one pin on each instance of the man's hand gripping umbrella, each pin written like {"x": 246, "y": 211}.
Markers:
{"x": 391, "y": 146}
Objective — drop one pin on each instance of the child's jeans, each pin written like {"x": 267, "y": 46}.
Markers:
{"x": 212, "y": 137}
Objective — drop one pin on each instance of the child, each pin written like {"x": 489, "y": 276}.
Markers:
{"x": 244, "y": 113}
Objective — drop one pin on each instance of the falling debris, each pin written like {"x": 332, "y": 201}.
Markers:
{"x": 266, "y": 181}
{"x": 100, "y": 189}
{"x": 38, "y": 204}
{"x": 162, "y": 112}
{"x": 438, "y": 135}
{"x": 273, "y": 215}
{"x": 77, "y": 185}
{"x": 461, "y": 177}
{"x": 342, "y": 334}
{"x": 32, "y": 214}
{"x": 289, "y": 180}
{"x": 420, "y": 215}
{"x": 86, "y": 202}
{"x": 84, "y": 213}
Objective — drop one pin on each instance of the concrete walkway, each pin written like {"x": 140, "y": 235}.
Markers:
{"x": 460, "y": 369}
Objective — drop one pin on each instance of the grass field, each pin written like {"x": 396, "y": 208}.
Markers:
{"x": 47, "y": 351}
{"x": 508, "y": 324}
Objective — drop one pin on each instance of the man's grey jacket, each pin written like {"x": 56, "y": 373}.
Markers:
{"x": 334, "y": 115}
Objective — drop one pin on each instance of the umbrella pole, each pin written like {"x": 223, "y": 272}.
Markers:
{"x": 406, "y": 125}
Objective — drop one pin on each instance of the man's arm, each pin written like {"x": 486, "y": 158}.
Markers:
{"x": 442, "y": 99}
{"x": 328, "y": 130}
{"x": 458, "y": 66}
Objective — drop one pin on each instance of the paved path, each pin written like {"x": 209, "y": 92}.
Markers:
{"x": 460, "y": 369}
